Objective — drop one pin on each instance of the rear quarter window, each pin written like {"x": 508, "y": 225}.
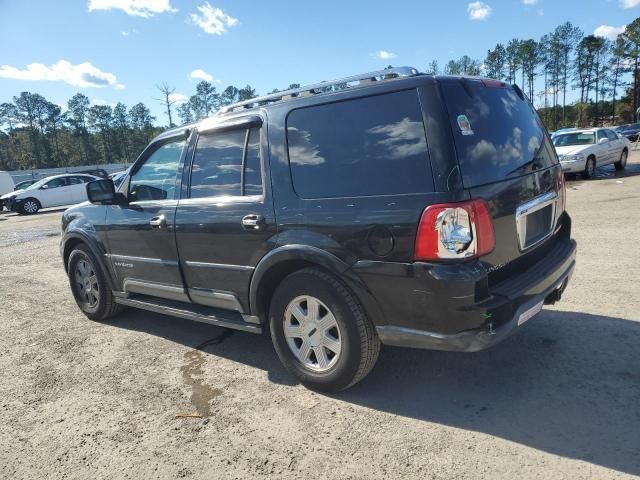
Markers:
{"x": 497, "y": 134}
{"x": 361, "y": 147}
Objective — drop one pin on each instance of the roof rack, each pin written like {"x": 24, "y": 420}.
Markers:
{"x": 323, "y": 87}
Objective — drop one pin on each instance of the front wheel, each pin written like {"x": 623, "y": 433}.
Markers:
{"x": 30, "y": 206}
{"x": 622, "y": 163}
{"x": 89, "y": 285}
{"x": 320, "y": 332}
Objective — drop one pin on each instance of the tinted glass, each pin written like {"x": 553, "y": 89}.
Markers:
{"x": 497, "y": 134}
{"x": 76, "y": 180}
{"x": 252, "y": 170}
{"x": 367, "y": 146}
{"x": 601, "y": 134}
{"x": 217, "y": 164}
{"x": 611, "y": 135}
{"x": 569, "y": 139}
{"x": 57, "y": 182}
{"x": 156, "y": 178}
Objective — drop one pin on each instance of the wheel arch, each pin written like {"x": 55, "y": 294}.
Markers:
{"x": 285, "y": 260}
{"x": 71, "y": 240}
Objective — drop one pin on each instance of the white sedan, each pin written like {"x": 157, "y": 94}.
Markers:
{"x": 50, "y": 192}
{"x": 581, "y": 151}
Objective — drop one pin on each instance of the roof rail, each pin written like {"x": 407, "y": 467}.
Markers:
{"x": 322, "y": 87}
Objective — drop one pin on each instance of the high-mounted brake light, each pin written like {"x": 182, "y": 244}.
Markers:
{"x": 455, "y": 231}
{"x": 493, "y": 83}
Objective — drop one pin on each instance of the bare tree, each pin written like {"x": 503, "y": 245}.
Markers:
{"x": 167, "y": 99}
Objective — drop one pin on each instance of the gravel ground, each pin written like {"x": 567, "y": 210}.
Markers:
{"x": 148, "y": 396}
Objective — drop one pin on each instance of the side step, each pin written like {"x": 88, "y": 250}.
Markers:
{"x": 212, "y": 316}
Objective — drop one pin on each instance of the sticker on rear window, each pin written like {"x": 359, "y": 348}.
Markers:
{"x": 465, "y": 125}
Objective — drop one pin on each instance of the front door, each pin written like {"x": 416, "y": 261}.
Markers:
{"x": 141, "y": 237}
{"x": 224, "y": 225}
{"x": 55, "y": 192}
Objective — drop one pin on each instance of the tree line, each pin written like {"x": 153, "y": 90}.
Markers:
{"x": 566, "y": 60}
{"x": 36, "y": 133}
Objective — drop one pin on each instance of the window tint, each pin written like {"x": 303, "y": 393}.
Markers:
{"x": 57, "y": 182}
{"x": 367, "y": 146}
{"x": 611, "y": 135}
{"x": 217, "y": 164}
{"x": 601, "y": 134}
{"x": 77, "y": 180}
{"x": 252, "y": 169}
{"x": 497, "y": 134}
{"x": 156, "y": 178}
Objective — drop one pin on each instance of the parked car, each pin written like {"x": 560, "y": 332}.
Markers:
{"x": 631, "y": 132}
{"x": 118, "y": 177}
{"x": 560, "y": 131}
{"x": 97, "y": 172}
{"x": 6, "y": 185}
{"x": 50, "y": 192}
{"x": 337, "y": 221}
{"x": 583, "y": 150}
{"x": 24, "y": 184}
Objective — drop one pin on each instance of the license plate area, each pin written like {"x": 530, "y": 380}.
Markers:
{"x": 535, "y": 220}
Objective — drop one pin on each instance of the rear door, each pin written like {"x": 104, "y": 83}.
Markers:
{"x": 506, "y": 158}
{"x": 78, "y": 188}
{"x": 141, "y": 235}
{"x": 616, "y": 145}
{"x": 224, "y": 225}
{"x": 603, "y": 148}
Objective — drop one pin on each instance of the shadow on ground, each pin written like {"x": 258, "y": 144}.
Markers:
{"x": 567, "y": 383}
{"x": 607, "y": 172}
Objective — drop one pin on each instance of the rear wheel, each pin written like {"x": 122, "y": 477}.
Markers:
{"x": 320, "y": 332}
{"x": 89, "y": 285}
{"x": 30, "y": 206}
{"x": 620, "y": 164}
{"x": 590, "y": 167}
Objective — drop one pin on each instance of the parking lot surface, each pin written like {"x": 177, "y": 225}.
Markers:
{"x": 149, "y": 396}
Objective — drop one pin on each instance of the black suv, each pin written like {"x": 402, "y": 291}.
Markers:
{"x": 393, "y": 207}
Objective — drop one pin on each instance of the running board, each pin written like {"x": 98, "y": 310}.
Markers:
{"x": 221, "y": 318}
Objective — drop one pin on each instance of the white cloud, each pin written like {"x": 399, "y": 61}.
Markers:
{"x": 608, "y": 31}
{"x": 199, "y": 74}
{"x": 478, "y": 10}
{"x": 530, "y": 2}
{"x": 138, "y": 8}
{"x": 83, "y": 75}
{"x": 100, "y": 101}
{"x": 385, "y": 55}
{"x": 178, "y": 98}
{"x": 629, "y": 3}
{"x": 213, "y": 20}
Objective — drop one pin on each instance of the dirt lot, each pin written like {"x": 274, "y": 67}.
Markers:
{"x": 559, "y": 400}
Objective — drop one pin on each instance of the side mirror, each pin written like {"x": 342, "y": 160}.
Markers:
{"x": 102, "y": 192}
{"x": 44, "y": 187}
{"x": 603, "y": 140}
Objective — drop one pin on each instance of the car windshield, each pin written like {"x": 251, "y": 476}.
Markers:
{"x": 38, "y": 184}
{"x": 578, "y": 138}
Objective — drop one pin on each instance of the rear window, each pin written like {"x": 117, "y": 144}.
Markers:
{"x": 362, "y": 147}
{"x": 497, "y": 134}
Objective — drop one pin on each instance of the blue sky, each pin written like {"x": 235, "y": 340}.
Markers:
{"x": 118, "y": 50}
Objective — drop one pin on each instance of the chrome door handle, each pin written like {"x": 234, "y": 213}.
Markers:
{"x": 252, "y": 222}
{"x": 159, "y": 222}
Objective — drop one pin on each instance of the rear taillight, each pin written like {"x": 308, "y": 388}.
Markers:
{"x": 455, "y": 231}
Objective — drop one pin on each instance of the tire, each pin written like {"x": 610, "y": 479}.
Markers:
{"x": 91, "y": 290}
{"x": 590, "y": 167}
{"x": 622, "y": 163}
{"x": 30, "y": 206}
{"x": 342, "y": 323}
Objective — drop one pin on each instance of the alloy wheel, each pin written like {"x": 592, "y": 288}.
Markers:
{"x": 87, "y": 283}
{"x": 30, "y": 206}
{"x": 312, "y": 333}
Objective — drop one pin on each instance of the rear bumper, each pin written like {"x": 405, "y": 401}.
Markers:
{"x": 480, "y": 338}
{"x": 454, "y": 308}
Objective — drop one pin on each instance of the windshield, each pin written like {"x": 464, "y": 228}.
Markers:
{"x": 569, "y": 139}
{"x": 497, "y": 133}
{"x": 38, "y": 184}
